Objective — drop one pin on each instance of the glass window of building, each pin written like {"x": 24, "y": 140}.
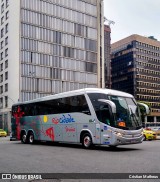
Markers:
{"x": 1, "y": 67}
{"x": 7, "y": 15}
{"x": 2, "y": 32}
{"x": 6, "y": 40}
{"x": 1, "y": 100}
{"x": 6, "y": 64}
{"x": 6, "y": 87}
{"x": 1, "y": 78}
{"x": 2, "y": 44}
{"x": 6, "y": 52}
{"x": 2, "y": 20}
{"x": 1, "y": 55}
{"x": 6, "y": 101}
{"x": 7, "y": 3}
{"x": 2, "y": 8}
{"x": 1, "y": 89}
{"x": 6, "y": 75}
{"x": 6, "y": 27}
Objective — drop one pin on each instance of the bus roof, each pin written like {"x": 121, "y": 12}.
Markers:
{"x": 78, "y": 92}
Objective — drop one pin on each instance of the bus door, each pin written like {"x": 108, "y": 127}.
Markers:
{"x": 104, "y": 116}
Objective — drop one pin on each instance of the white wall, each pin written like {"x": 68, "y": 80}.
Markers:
{"x": 14, "y": 51}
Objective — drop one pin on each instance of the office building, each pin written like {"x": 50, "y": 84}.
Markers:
{"x": 48, "y": 47}
{"x": 136, "y": 70}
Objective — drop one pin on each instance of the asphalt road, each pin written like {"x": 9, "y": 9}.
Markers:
{"x": 70, "y": 158}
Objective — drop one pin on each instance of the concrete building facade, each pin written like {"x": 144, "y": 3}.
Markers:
{"x": 136, "y": 70}
{"x": 48, "y": 47}
{"x": 107, "y": 55}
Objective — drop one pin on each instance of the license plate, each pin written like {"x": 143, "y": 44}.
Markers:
{"x": 133, "y": 141}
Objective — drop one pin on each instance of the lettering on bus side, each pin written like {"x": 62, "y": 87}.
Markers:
{"x": 70, "y": 129}
{"x": 63, "y": 120}
{"x": 55, "y": 120}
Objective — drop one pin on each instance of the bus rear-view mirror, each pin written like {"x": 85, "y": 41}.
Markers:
{"x": 144, "y": 108}
{"x": 110, "y": 103}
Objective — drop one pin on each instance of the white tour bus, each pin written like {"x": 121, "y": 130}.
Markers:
{"x": 89, "y": 116}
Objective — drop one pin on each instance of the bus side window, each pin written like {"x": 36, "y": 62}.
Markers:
{"x": 104, "y": 114}
{"x": 79, "y": 104}
{"x": 35, "y": 110}
{"x": 83, "y": 105}
{"x": 64, "y": 105}
{"x": 74, "y": 104}
{"x": 27, "y": 110}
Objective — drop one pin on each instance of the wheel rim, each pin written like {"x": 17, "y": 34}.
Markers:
{"x": 31, "y": 138}
{"x": 24, "y": 138}
{"x": 87, "y": 141}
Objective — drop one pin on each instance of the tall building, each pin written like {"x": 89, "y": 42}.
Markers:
{"x": 47, "y": 47}
{"x": 136, "y": 70}
{"x": 107, "y": 55}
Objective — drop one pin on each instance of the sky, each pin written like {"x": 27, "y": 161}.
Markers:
{"x": 140, "y": 17}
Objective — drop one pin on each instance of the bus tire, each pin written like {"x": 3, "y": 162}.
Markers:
{"x": 87, "y": 141}
{"x": 24, "y": 137}
{"x": 31, "y": 137}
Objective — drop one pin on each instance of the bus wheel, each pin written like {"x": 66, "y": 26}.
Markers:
{"x": 24, "y": 138}
{"x": 31, "y": 138}
{"x": 87, "y": 141}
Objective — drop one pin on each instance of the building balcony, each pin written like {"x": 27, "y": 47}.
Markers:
{"x": 150, "y": 94}
{"x": 148, "y": 99}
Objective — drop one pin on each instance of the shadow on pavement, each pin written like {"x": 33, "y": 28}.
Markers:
{"x": 79, "y": 146}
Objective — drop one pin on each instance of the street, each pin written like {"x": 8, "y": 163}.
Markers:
{"x": 70, "y": 158}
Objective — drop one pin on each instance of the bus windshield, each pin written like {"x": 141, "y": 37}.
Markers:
{"x": 127, "y": 115}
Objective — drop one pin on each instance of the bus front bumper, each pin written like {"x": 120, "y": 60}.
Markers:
{"x": 122, "y": 140}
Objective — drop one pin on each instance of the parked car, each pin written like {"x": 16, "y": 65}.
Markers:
{"x": 149, "y": 134}
{"x": 3, "y": 133}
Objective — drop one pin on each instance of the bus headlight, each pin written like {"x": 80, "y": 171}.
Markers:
{"x": 119, "y": 134}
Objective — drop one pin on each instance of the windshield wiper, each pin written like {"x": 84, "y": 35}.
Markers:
{"x": 134, "y": 118}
